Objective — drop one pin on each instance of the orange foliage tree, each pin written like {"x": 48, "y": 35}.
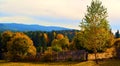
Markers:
{"x": 60, "y": 36}
{"x": 6, "y": 36}
{"x": 19, "y": 46}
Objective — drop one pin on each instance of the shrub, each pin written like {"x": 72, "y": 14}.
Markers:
{"x": 47, "y": 56}
{"x": 56, "y": 48}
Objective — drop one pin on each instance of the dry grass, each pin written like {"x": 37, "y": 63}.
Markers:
{"x": 112, "y": 62}
{"x": 88, "y": 63}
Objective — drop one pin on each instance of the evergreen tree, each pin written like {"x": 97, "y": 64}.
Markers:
{"x": 117, "y": 34}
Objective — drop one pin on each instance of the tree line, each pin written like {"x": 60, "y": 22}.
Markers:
{"x": 17, "y": 44}
{"x": 21, "y": 45}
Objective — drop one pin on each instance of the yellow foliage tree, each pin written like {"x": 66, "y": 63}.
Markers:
{"x": 46, "y": 37}
{"x": 6, "y": 36}
{"x": 20, "y": 46}
{"x": 60, "y": 43}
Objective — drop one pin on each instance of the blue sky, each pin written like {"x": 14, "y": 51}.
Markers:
{"x": 64, "y": 13}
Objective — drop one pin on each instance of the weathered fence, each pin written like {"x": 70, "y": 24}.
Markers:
{"x": 109, "y": 53}
{"x": 79, "y": 55}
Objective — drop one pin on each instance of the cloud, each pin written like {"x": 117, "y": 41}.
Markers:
{"x": 21, "y": 10}
{"x": 113, "y": 7}
{"x": 18, "y": 19}
{"x": 55, "y": 8}
{"x": 73, "y": 9}
{"x": 21, "y": 19}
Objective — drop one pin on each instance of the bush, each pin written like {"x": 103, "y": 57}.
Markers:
{"x": 56, "y": 48}
{"x": 70, "y": 59}
{"x": 47, "y": 56}
{"x": 117, "y": 43}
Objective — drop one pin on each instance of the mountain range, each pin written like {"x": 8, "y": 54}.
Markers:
{"x": 24, "y": 27}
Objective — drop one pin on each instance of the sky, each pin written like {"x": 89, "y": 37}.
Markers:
{"x": 64, "y": 13}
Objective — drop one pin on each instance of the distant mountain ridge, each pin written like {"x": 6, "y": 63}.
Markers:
{"x": 24, "y": 27}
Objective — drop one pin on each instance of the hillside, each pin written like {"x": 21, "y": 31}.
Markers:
{"x": 24, "y": 27}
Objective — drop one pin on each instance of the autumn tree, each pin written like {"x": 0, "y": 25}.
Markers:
{"x": 60, "y": 36}
{"x": 46, "y": 38}
{"x": 95, "y": 27}
{"x": 6, "y": 37}
{"x": 64, "y": 43}
{"x": 60, "y": 43}
{"x": 111, "y": 39}
{"x": 78, "y": 41}
{"x": 54, "y": 34}
{"x": 56, "y": 46}
{"x": 20, "y": 46}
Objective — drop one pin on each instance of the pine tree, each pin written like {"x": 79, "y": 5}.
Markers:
{"x": 117, "y": 34}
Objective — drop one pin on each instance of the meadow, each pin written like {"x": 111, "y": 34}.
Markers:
{"x": 112, "y": 62}
{"x": 90, "y": 63}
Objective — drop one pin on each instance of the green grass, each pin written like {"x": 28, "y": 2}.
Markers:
{"x": 87, "y": 63}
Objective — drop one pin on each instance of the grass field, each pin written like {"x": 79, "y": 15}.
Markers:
{"x": 88, "y": 63}
{"x": 110, "y": 63}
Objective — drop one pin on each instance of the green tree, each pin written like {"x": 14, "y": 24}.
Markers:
{"x": 95, "y": 27}
{"x": 56, "y": 48}
{"x": 55, "y": 42}
{"x": 78, "y": 41}
{"x": 117, "y": 35}
{"x": 62, "y": 43}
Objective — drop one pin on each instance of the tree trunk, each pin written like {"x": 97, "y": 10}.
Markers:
{"x": 96, "y": 60}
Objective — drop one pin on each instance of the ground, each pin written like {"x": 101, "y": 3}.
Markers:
{"x": 87, "y": 63}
